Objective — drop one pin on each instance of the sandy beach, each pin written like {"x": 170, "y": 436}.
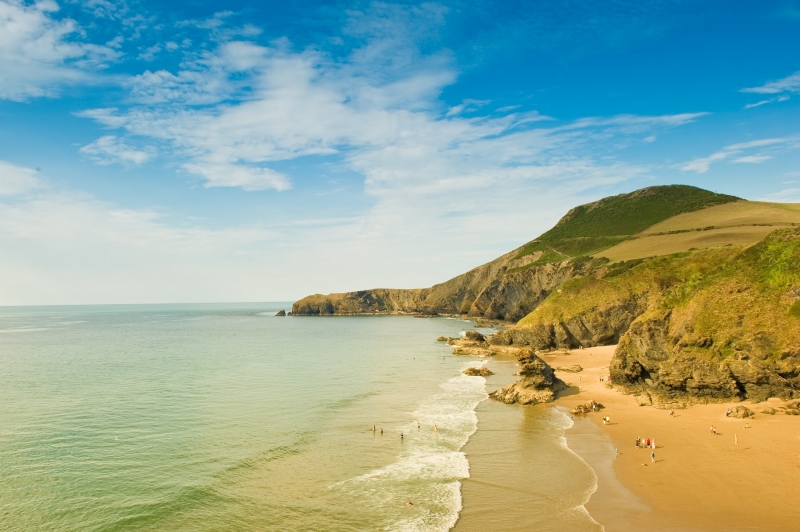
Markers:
{"x": 699, "y": 481}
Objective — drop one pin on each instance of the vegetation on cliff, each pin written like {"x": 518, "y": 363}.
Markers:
{"x": 596, "y": 226}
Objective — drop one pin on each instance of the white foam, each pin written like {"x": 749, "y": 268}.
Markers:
{"x": 24, "y": 329}
{"x": 430, "y": 467}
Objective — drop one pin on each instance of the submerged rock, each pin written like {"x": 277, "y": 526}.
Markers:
{"x": 478, "y": 372}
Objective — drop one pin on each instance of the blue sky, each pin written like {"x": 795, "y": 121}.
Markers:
{"x": 238, "y": 151}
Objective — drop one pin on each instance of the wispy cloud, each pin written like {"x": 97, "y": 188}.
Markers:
{"x": 790, "y": 83}
{"x": 702, "y": 164}
{"x": 109, "y": 149}
{"x": 783, "y": 88}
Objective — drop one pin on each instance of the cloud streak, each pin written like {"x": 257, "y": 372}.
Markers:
{"x": 702, "y": 165}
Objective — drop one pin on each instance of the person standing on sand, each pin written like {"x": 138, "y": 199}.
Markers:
{"x": 735, "y": 439}
{"x": 653, "y": 457}
{"x": 654, "y": 443}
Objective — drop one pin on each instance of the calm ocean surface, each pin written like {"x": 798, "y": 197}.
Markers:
{"x": 225, "y": 417}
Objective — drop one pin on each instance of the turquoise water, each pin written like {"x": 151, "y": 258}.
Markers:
{"x": 225, "y": 417}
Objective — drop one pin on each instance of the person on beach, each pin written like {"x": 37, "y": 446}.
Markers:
{"x": 637, "y": 442}
{"x": 735, "y": 439}
{"x": 653, "y": 457}
{"x": 713, "y": 430}
{"x": 381, "y": 431}
{"x": 671, "y": 412}
{"x": 435, "y": 428}
{"x": 653, "y": 444}
{"x": 373, "y": 428}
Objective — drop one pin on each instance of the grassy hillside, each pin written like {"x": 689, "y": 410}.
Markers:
{"x": 593, "y": 227}
{"x": 734, "y": 223}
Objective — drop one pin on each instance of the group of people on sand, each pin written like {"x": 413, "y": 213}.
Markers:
{"x": 646, "y": 443}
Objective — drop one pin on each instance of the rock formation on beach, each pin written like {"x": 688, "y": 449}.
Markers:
{"x": 281, "y": 313}
{"x": 538, "y": 384}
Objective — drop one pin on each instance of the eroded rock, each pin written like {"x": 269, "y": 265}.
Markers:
{"x": 538, "y": 384}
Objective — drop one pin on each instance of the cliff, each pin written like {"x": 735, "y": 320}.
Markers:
{"x": 512, "y": 285}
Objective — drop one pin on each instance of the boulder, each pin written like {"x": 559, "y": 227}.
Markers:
{"x": 769, "y": 411}
{"x": 478, "y": 372}
{"x": 591, "y": 406}
{"x": 741, "y": 412}
{"x": 442, "y": 339}
{"x": 281, "y": 313}
{"x": 570, "y": 369}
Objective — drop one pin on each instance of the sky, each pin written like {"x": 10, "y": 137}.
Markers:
{"x": 203, "y": 151}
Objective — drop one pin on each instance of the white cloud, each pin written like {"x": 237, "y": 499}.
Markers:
{"x": 109, "y": 149}
{"x": 753, "y": 159}
{"x": 39, "y": 54}
{"x": 17, "y": 179}
{"x": 790, "y": 83}
{"x": 702, "y": 164}
{"x": 246, "y": 177}
{"x": 788, "y": 195}
{"x": 236, "y": 110}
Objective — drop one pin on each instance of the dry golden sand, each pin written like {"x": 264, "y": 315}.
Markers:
{"x": 699, "y": 481}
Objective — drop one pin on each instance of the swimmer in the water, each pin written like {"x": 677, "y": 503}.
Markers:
{"x": 373, "y": 428}
{"x": 381, "y": 430}
{"x": 401, "y": 435}
{"x": 417, "y": 424}
{"x": 409, "y": 503}
{"x": 435, "y": 428}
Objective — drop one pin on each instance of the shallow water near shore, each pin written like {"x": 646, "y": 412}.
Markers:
{"x": 225, "y": 417}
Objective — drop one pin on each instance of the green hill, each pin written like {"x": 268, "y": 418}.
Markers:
{"x": 596, "y": 226}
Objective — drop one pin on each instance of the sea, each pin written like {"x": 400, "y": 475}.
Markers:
{"x": 227, "y": 417}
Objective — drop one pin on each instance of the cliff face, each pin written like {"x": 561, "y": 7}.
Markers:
{"x": 713, "y": 325}
{"x": 732, "y": 334}
{"x": 501, "y": 289}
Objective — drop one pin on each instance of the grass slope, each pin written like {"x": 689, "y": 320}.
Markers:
{"x": 734, "y": 223}
{"x": 593, "y": 227}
